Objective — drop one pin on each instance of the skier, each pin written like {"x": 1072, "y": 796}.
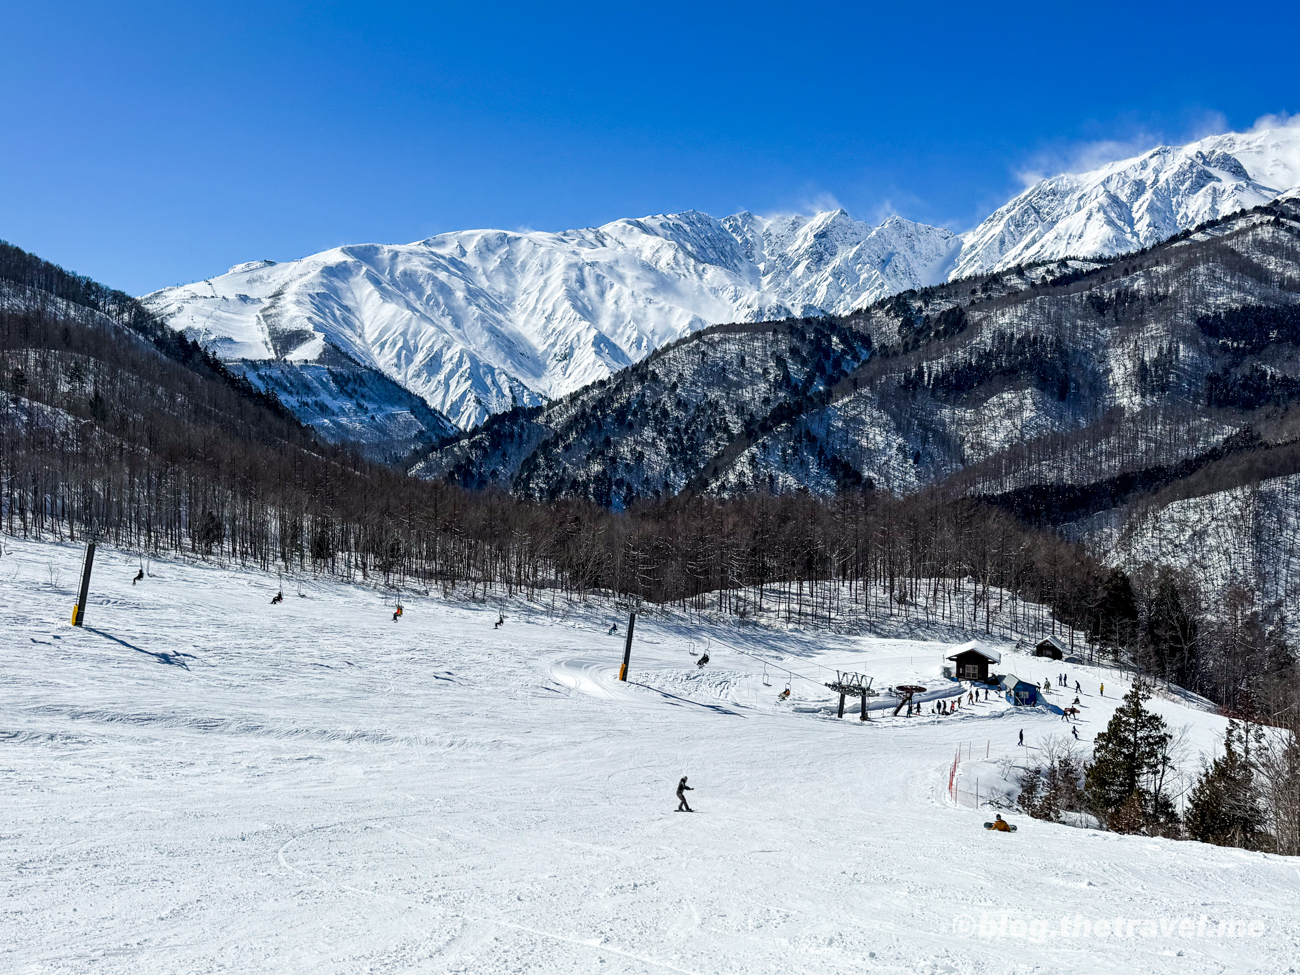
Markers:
{"x": 1103, "y": 690}
{"x": 1078, "y": 688}
{"x": 999, "y": 824}
{"x": 682, "y": 789}
{"x": 138, "y": 576}
{"x": 277, "y": 598}
{"x": 1075, "y": 729}
{"x": 704, "y": 659}
{"x": 397, "y": 612}
{"x": 1022, "y": 737}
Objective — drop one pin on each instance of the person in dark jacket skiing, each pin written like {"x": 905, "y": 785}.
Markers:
{"x": 1022, "y": 737}
{"x": 682, "y": 789}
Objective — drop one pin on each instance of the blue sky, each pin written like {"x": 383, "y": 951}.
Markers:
{"x": 150, "y": 144}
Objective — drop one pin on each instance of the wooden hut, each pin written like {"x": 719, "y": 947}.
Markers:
{"x": 1020, "y": 692}
{"x": 1051, "y": 647}
{"x": 972, "y": 661}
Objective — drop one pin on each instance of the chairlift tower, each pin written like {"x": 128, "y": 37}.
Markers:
{"x": 848, "y": 685}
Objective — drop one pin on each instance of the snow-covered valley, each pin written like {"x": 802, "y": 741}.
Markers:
{"x": 199, "y": 780}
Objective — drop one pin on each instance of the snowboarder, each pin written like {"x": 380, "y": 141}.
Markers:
{"x": 1022, "y": 737}
{"x": 999, "y": 825}
{"x": 1078, "y": 688}
{"x": 1075, "y": 729}
{"x": 138, "y": 576}
{"x": 704, "y": 659}
{"x": 682, "y": 789}
{"x": 501, "y": 618}
{"x": 277, "y": 598}
{"x": 613, "y": 629}
{"x": 1103, "y": 690}
{"x": 397, "y": 613}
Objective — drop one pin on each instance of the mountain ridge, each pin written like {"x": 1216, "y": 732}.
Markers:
{"x": 477, "y": 321}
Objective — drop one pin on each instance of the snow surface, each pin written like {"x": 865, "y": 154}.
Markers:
{"x": 200, "y": 781}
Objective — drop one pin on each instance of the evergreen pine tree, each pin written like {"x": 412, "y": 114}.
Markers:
{"x": 1225, "y": 806}
{"x": 1130, "y": 762}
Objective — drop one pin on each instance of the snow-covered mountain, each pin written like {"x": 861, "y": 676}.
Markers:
{"x": 475, "y": 321}
{"x": 1134, "y": 203}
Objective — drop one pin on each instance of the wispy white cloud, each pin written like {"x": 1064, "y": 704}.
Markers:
{"x": 819, "y": 203}
{"x": 1280, "y": 120}
{"x": 1087, "y": 155}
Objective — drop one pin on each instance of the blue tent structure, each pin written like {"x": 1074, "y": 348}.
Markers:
{"x": 1020, "y": 692}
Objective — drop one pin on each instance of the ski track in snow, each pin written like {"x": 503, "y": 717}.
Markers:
{"x": 198, "y": 781}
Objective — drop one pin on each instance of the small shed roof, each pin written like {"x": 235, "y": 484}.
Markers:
{"x": 1054, "y": 642}
{"x": 1011, "y": 681}
{"x": 989, "y": 654}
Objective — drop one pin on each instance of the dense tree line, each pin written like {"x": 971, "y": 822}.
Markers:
{"x": 1246, "y": 797}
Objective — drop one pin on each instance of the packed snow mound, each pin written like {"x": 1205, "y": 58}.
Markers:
{"x": 481, "y": 320}
{"x": 1133, "y": 203}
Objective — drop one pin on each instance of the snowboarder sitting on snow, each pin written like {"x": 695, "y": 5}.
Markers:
{"x": 277, "y": 598}
{"x": 682, "y": 789}
{"x": 999, "y": 824}
{"x": 138, "y": 576}
{"x": 397, "y": 612}
{"x": 704, "y": 659}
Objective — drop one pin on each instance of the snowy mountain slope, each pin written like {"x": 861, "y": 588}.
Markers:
{"x": 224, "y": 790}
{"x": 477, "y": 321}
{"x": 1134, "y": 203}
{"x": 1063, "y": 373}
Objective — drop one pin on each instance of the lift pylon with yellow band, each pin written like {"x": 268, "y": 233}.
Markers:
{"x": 627, "y": 647}
{"x": 79, "y": 610}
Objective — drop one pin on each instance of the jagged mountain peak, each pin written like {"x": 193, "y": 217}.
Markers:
{"x": 1132, "y": 203}
{"x": 476, "y": 321}
{"x": 479, "y": 320}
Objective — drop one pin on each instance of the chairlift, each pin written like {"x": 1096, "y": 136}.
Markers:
{"x": 766, "y": 682}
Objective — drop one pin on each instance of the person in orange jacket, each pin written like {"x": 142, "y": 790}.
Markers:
{"x": 1000, "y": 824}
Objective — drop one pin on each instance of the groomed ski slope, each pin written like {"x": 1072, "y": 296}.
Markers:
{"x": 199, "y": 781}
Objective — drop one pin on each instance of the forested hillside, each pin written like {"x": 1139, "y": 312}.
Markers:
{"x": 1064, "y": 373}
{"x": 106, "y": 433}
